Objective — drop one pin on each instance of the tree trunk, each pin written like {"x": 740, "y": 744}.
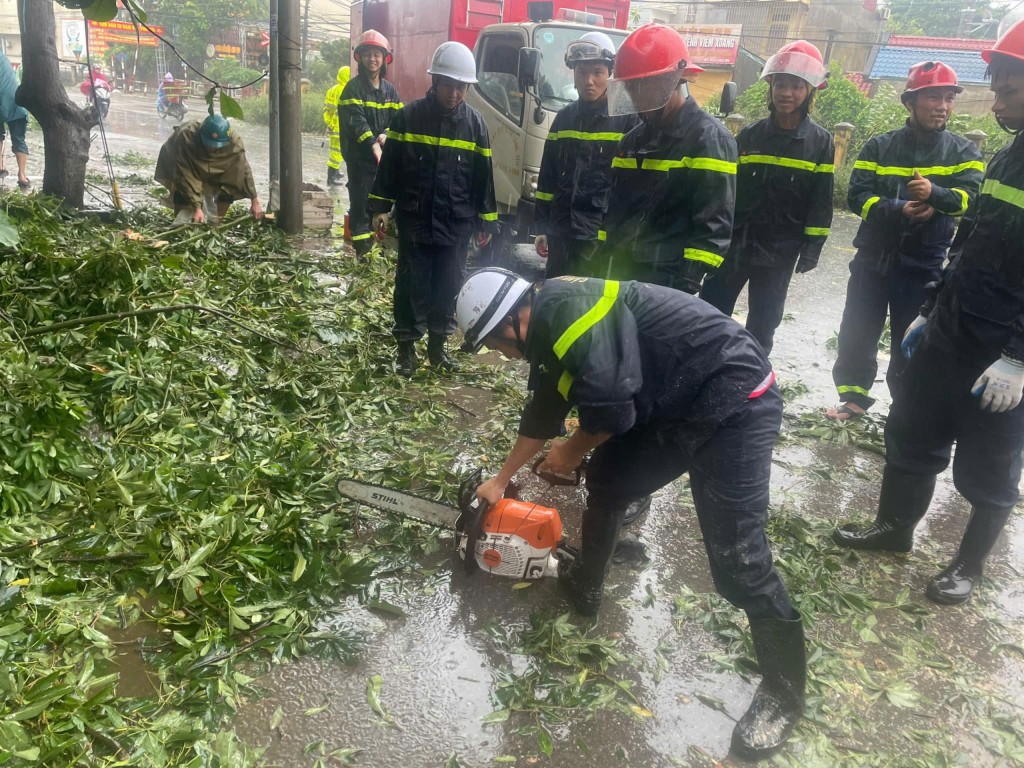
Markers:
{"x": 65, "y": 126}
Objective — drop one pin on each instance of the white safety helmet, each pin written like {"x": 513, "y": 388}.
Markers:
{"x": 486, "y": 298}
{"x": 453, "y": 60}
{"x": 593, "y": 46}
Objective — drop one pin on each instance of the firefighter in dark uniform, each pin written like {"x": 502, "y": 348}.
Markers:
{"x": 367, "y": 106}
{"x": 964, "y": 380}
{"x": 575, "y": 173}
{"x": 664, "y": 384}
{"x": 908, "y": 186}
{"x": 670, "y": 215}
{"x": 436, "y": 172}
{"x": 783, "y": 195}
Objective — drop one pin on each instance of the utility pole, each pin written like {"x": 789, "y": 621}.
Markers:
{"x": 291, "y": 116}
{"x": 274, "y": 203}
{"x": 305, "y": 34}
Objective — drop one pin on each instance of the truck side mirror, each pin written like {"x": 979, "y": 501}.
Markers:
{"x": 728, "y": 98}
{"x": 529, "y": 68}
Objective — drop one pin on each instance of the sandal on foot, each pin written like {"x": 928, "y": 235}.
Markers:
{"x": 3, "y": 173}
{"x": 845, "y": 412}
{"x": 24, "y": 184}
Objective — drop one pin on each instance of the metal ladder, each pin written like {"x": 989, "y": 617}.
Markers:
{"x": 161, "y": 60}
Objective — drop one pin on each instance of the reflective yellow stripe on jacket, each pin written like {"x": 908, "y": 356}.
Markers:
{"x": 370, "y": 104}
{"x": 787, "y": 162}
{"x": 437, "y": 141}
{"x": 1003, "y": 192}
{"x": 868, "y": 204}
{"x": 696, "y": 163}
{"x": 695, "y": 254}
{"x": 589, "y": 319}
{"x": 585, "y": 136}
{"x": 934, "y": 170}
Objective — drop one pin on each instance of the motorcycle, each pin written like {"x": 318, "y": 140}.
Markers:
{"x": 97, "y": 92}
{"x": 171, "y": 105}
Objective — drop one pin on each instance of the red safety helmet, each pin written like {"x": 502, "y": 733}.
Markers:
{"x": 371, "y": 38}
{"x": 800, "y": 59}
{"x": 1010, "y": 44}
{"x": 930, "y": 74}
{"x": 648, "y": 67}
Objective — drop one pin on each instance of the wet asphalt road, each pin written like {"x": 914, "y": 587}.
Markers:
{"x": 437, "y": 663}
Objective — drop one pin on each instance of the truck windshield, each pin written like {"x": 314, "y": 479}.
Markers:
{"x": 556, "y": 85}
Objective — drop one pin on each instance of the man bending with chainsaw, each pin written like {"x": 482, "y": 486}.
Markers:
{"x": 664, "y": 384}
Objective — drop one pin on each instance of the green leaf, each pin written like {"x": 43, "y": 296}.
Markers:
{"x": 544, "y": 741}
{"x": 901, "y": 695}
{"x": 452, "y": 761}
{"x": 300, "y": 565}
{"x": 276, "y": 718}
{"x": 385, "y": 607}
{"x": 498, "y": 716}
{"x": 373, "y": 690}
{"x": 317, "y": 710}
{"x": 31, "y": 754}
{"x": 198, "y": 557}
{"x": 8, "y": 234}
{"x": 209, "y": 99}
{"x": 230, "y": 108}
{"x": 101, "y": 10}
{"x": 138, "y": 10}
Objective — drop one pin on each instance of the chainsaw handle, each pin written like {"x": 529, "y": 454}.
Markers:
{"x": 575, "y": 480}
{"x": 473, "y": 524}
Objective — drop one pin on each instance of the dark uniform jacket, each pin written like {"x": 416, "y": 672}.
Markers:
{"x": 364, "y": 113}
{"x": 630, "y": 354}
{"x": 878, "y": 191}
{"x": 979, "y": 312}
{"x": 436, "y": 171}
{"x": 576, "y": 170}
{"x": 783, "y": 194}
{"x": 673, "y": 193}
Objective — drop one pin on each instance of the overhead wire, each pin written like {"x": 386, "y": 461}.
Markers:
{"x": 114, "y": 188}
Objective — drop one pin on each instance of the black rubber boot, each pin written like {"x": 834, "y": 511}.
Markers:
{"x": 437, "y": 355}
{"x": 779, "y": 701}
{"x": 331, "y": 176}
{"x": 956, "y": 582}
{"x": 362, "y": 247}
{"x": 583, "y": 579}
{"x": 636, "y": 510}
{"x": 903, "y": 502}
{"x": 406, "y": 362}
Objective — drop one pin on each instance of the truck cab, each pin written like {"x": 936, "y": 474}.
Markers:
{"x": 519, "y": 111}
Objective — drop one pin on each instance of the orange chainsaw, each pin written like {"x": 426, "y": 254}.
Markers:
{"x": 511, "y": 538}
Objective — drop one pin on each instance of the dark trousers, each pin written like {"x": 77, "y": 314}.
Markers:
{"x": 870, "y": 297}
{"x": 360, "y": 181}
{"x": 427, "y": 280}
{"x": 933, "y": 408}
{"x": 569, "y": 257}
{"x": 729, "y": 465}
{"x": 767, "y": 297}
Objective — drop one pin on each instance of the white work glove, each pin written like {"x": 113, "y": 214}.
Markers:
{"x": 1000, "y": 386}
{"x": 912, "y": 336}
{"x": 541, "y": 244}
{"x": 380, "y": 222}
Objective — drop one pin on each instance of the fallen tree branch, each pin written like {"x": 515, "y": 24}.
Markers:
{"x": 111, "y": 316}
